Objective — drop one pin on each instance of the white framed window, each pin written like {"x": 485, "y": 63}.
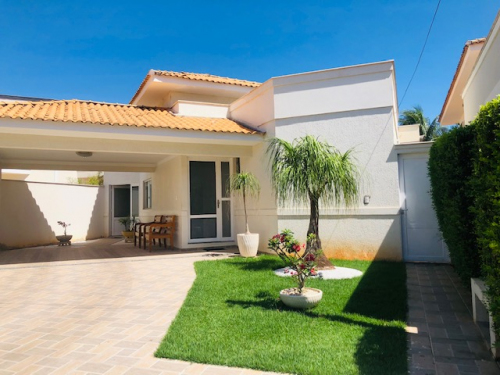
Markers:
{"x": 147, "y": 194}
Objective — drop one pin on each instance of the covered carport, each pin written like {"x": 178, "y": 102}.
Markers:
{"x": 91, "y": 136}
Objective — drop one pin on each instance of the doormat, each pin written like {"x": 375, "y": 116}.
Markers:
{"x": 213, "y": 248}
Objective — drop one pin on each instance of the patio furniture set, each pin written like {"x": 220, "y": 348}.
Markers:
{"x": 161, "y": 228}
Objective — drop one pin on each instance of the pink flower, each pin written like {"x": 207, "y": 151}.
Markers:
{"x": 310, "y": 257}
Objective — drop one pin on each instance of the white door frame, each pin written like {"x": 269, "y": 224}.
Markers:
{"x": 219, "y": 198}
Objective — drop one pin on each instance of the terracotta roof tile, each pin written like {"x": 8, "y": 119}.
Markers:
{"x": 206, "y": 78}
{"x": 79, "y": 111}
{"x": 195, "y": 77}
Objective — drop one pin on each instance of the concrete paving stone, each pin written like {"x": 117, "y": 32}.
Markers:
{"x": 488, "y": 368}
{"x": 423, "y": 361}
{"x": 99, "y": 368}
{"x": 447, "y": 369}
{"x": 140, "y": 371}
{"x": 442, "y": 350}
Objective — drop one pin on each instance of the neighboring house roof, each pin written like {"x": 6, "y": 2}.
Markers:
{"x": 195, "y": 77}
{"x": 15, "y": 98}
{"x": 458, "y": 71}
{"x": 79, "y": 111}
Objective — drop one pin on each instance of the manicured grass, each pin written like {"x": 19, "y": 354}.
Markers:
{"x": 232, "y": 316}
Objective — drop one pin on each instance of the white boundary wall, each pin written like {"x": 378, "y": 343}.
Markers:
{"x": 30, "y": 212}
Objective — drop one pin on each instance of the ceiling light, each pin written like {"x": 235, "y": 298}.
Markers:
{"x": 84, "y": 154}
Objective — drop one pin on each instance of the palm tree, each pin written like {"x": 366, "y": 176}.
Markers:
{"x": 308, "y": 171}
{"x": 430, "y": 130}
{"x": 244, "y": 183}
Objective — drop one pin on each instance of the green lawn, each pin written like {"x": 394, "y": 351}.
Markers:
{"x": 232, "y": 316}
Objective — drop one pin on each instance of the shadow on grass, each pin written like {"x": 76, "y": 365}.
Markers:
{"x": 258, "y": 264}
{"x": 268, "y": 302}
{"x": 381, "y": 294}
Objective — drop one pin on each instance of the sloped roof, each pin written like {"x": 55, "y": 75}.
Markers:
{"x": 194, "y": 77}
{"x": 79, "y": 111}
{"x": 207, "y": 78}
{"x": 457, "y": 71}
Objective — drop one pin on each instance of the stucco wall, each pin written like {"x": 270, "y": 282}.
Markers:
{"x": 362, "y": 234}
{"x": 484, "y": 82}
{"x": 352, "y": 107}
{"x": 30, "y": 212}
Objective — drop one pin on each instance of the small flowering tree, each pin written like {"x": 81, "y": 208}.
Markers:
{"x": 64, "y": 225}
{"x": 302, "y": 260}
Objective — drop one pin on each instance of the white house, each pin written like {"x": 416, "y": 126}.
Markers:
{"x": 172, "y": 148}
{"x": 476, "y": 80}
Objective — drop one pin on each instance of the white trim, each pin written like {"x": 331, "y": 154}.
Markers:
{"x": 360, "y": 211}
{"x": 124, "y": 132}
{"x": 494, "y": 31}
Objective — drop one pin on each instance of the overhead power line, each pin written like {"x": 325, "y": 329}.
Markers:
{"x": 421, "y": 53}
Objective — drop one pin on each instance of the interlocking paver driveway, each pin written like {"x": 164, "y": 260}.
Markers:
{"x": 101, "y": 316}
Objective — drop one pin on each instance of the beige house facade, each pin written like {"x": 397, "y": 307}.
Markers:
{"x": 171, "y": 150}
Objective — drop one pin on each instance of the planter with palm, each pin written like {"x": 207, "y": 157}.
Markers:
{"x": 246, "y": 184}
{"x": 309, "y": 171}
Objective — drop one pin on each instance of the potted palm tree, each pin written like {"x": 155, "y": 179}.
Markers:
{"x": 128, "y": 225}
{"x": 246, "y": 184}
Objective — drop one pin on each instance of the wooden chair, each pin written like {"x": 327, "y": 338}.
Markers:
{"x": 161, "y": 231}
{"x": 140, "y": 229}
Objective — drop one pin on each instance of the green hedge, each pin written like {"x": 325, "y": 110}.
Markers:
{"x": 464, "y": 168}
{"x": 451, "y": 165}
{"x": 487, "y": 204}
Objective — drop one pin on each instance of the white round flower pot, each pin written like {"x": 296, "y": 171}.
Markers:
{"x": 248, "y": 244}
{"x": 309, "y": 297}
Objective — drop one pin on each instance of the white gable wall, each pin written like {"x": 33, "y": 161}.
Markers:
{"x": 484, "y": 82}
{"x": 352, "y": 107}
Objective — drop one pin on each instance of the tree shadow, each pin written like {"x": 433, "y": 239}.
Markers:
{"x": 381, "y": 294}
{"x": 257, "y": 264}
{"x": 373, "y": 298}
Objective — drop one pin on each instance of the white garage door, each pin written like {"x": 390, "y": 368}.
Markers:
{"x": 422, "y": 239}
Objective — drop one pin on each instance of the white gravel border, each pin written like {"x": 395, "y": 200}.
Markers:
{"x": 337, "y": 274}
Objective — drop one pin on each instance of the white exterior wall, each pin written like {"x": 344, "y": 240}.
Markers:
{"x": 35, "y": 208}
{"x": 198, "y": 109}
{"x": 484, "y": 82}
{"x": 169, "y": 196}
{"x": 350, "y": 108}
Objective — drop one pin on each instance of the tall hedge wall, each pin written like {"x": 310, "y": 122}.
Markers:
{"x": 451, "y": 166}
{"x": 464, "y": 168}
{"x": 487, "y": 203}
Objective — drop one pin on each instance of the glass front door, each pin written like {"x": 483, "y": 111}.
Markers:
{"x": 210, "y": 201}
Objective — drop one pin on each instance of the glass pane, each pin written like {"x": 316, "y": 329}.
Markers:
{"x": 203, "y": 228}
{"x": 224, "y": 178}
{"x": 121, "y": 200}
{"x": 202, "y": 187}
{"x": 135, "y": 201}
{"x": 226, "y": 218}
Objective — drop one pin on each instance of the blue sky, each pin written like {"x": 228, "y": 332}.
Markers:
{"x": 102, "y": 50}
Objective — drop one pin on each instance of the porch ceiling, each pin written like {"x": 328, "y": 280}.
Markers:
{"x": 52, "y": 145}
{"x": 69, "y": 160}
